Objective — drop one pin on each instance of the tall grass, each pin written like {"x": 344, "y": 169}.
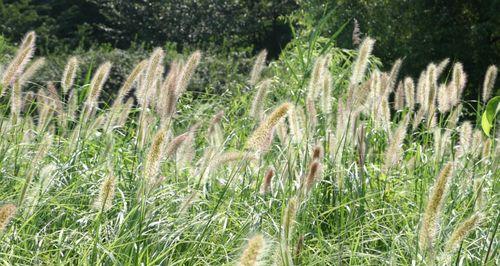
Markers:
{"x": 321, "y": 159}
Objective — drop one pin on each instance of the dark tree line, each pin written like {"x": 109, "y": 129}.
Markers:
{"x": 422, "y": 31}
{"x": 418, "y": 31}
{"x": 65, "y": 24}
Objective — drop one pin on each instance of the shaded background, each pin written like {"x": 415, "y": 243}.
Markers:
{"x": 418, "y": 31}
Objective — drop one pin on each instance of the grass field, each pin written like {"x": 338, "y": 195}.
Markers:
{"x": 319, "y": 159}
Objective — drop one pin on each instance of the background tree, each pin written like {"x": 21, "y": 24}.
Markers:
{"x": 420, "y": 31}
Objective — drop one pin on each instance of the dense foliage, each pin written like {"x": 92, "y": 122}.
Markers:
{"x": 66, "y": 24}
{"x": 419, "y": 31}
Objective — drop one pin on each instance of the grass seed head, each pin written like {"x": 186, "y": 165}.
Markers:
{"x": 132, "y": 78}
{"x": 69, "y": 74}
{"x": 431, "y": 217}
{"x": 258, "y": 66}
{"x": 266, "y": 184}
{"x": 7, "y": 211}
{"x": 361, "y": 63}
{"x": 399, "y": 97}
{"x": 257, "y": 109}
{"x": 20, "y": 60}
{"x": 187, "y": 72}
{"x": 97, "y": 83}
{"x": 104, "y": 201}
{"x": 260, "y": 137}
{"x": 442, "y": 66}
{"x": 253, "y": 251}
{"x": 393, "y": 75}
{"x": 31, "y": 70}
{"x": 409, "y": 86}
{"x": 312, "y": 176}
{"x": 489, "y": 82}
{"x": 461, "y": 231}
{"x": 459, "y": 80}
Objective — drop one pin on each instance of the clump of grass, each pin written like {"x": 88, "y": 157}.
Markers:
{"x": 189, "y": 190}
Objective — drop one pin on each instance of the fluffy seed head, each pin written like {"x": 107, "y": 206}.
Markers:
{"x": 311, "y": 113}
{"x": 253, "y": 251}
{"x": 20, "y": 60}
{"x": 266, "y": 184}
{"x": 175, "y": 144}
{"x": 69, "y": 74}
{"x": 104, "y": 201}
{"x": 361, "y": 63}
{"x": 312, "y": 176}
{"x": 421, "y": 88}
{"x": 97, "y": 83}
{"x": 231, "y": 156}
{"x": 258, "y": 66}
{"x": 430, "y": 88}
{"x": 187, "y": 72}
{"x": 454, "y": 117}
{"x": 489, "y": 82}
{"x": 31, "y": 70}
{"x": 261, "y": 135}
{"x": 356, "y": 33}
{"x": 7, "y": 211}
{"x": 289, "y": 217}
{"x": 257, "y": 108}
{"x": 326, "y": 93}
{"x": 316, "y": 77}
{"x": 399, "y": 97}
{"x": 16, "y": 100}
{"x": 132, "y": 78}
{"x": 393, "y": 76}
{"x": 147, "y": 88}
{"x": 409, "y": 87}
{"x": 186, "y": 152}
{"x": 442, "y": 66}
{"x": 444, "y": 98}
{"x": 54, "y": 99}
{"x": 156, "y": 151}
{"x": 295, "y": 124}
{"x": 465, "y": 138}
{"x": 459, "y": 79}
{"x": 317, "y": 152}
{"x": 461, "y": 232}
{"x": 168, "y": 94}
{"x": 430, "y": 220}
{"x": 395, "y": 149}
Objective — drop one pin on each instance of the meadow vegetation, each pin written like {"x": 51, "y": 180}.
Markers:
{"x": 316, "y": 158}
